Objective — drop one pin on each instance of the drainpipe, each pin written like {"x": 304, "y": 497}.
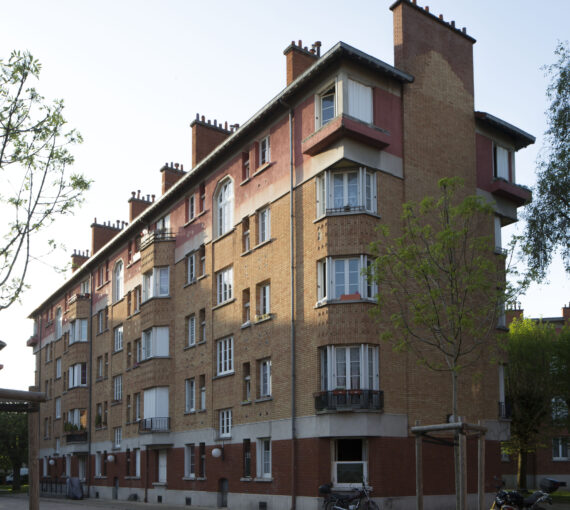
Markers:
{"x": 90, "y": 404}
{"x": 292, "y": 285}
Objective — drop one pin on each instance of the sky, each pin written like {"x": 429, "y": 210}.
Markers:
{"x": 133, "y": 75}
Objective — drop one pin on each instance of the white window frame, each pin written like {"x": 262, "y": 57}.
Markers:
{"x": 264, "y": 458}
{"x": 264, "y": 151}
{"x": 190, "y": 461}
{"x": 58, "y": 368}
{"x": 225, "y": 422}
{"x": 117, "y": 388}
{"x": 335, "y": 367}
{"x": 501, "y": 158}
{"x": 78, "y": 331}
{"x": 191, "y": 207}
{"x": 320, "y": 120}
{"x": 264, "y": 299}
{"x": 264, "y": 225}
{"x": 118, "y": 338}
{"x": 118, "y": 281}
{"x": 498, "y": 236}
{"x": 360, "y": 101}
{"x": 336, "y": 463}
{"x": 225, "y": 356}
{"x": 191, "y": 267}
{"x": 366, "y": 192}
{"x": 118, "y": 436}
{"x": 137, "y": 452}
{"x": 156, "y": 283}
{"x": 75, "y": 375}
{"x": 58, "y": 323}
{"x": 265, "y": 378}
{"x": 57, "y": 408}
{"x": 224, "y": 203}
{"x": 98, "y": 464}
{"x": 191, "y": 325}
{"x": 190, "y": 401}
{"x": 560, "y": 446}
{"x": 327, "y": 276}
{"x": 224, "y": 285}
{"x": 155, "y": 342}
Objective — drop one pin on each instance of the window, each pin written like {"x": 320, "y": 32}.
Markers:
{"x": 100, "y": 367}
{"x": 224, "y": 280}
{"x": 138, "y": 351}
{"x": 58, "y": 323}
{"x": 84, "y": 287}
{"x": 350, "y": 367}
{"x": 225, "y": 422}
{"x": 203, "y": 392}
{"x": 264, "y": 224}
{"x": 264, "y": 151}
{"x": 98, "y": 460}
{"x": 129, "y": 354}
{"x": 118, "y": 334}
{"x": 559, "y": 409}
{"x": 163, "y": 225}
{"x": 118, "y": 433}
{"x": 189, "y": 461}
{"x": 100, "y": 275}
{"x": 350, "y": 463}
{"x": 118, "y": 282}
{"x": 202, "y": 325}
{"x": 246, "y": 244}
{"x": 360, "y": 101}
{"x": 190, "y": 267}
{"x": 264, "y": 458}
{"x": 99, "y": 416}
{"x": 57, "y": 408}
{"x": 498, "y": 237}
{"x": 246, "y": 313}
{"x": 77, "y": 418}
{"x": 77, "y": 375}
{"x": 343, "y": 279}
{"x": 202, "y": 197}
{"x": 137, "y": 298}
{"x": 327, "y": 106}
{"x": 48, "y": 352}
{"x": 190, "y": 395}
{"x": 265, "y": 378}
{"x": 129, "y": 407}
{"x": 156, "y": 283}
{"x": 225, "y": 359}
{"x": 58, "y": 368}
{"x": 137, "y": 453}
{"x": 137, "y": 398}
{"x": 501, "y": 158}
{"x": 202, "y": 255}
{"x": 202, "y": 467}
{"x": 224, "y": 207}
{"x": 342, "y": 191}
{"x": 191, "y": 207}
{"x": 246, "y": 382}
{"x": 247, "y": 458}
{"x": 155, "y": 343}
{"x": 560, "y": 448}
{"x": 263, "y": 292}
{"x": 155, "y": 408}
{"x": 117, "y": 388}
{"x": 191, "y": 328}
{"x": 245, "y": 166}
{"x": 100, "y": 321}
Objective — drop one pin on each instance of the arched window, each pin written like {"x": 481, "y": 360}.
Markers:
{"x": 118, "y": 282}
{"x": 224, "y": 200}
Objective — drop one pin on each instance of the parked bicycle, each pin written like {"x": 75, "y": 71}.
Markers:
{"x": 358, "y": 499}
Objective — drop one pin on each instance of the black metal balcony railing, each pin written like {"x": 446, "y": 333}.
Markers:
{"x": 76, "y": 437}
{"x": 157, "y": 235}
{"x": 505, "y": 411}
{"x": 57, "y": 487}
{"x": 154, "y": 425}
{"x": 345, "y": 400}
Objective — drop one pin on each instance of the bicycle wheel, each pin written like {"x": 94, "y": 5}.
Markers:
{"x": 370, "y": 505}
{"x": 330, "y": 505}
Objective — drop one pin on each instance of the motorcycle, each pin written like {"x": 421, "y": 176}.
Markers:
{"x": 358, "y": 500}
{"x": 515, "y": 500}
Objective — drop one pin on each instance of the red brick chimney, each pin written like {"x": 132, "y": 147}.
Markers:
{"x": 566, "y": 314}
{"x": 78, "y": 258}
{"x": 513, "y": 311}
{"x": 138, "y": 204}
{"x": 299, "y": 59}
{"x": 101, "y": 234}
{"x": 170, "y": 175}
{"x": 206, "y": 136}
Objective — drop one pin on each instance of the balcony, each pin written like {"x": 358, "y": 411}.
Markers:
{"x": 349, "y": 400}
{"x": 520, "y": 195}
{"x": 156, "y": 236}
{"x": 150, "y": 425}
{"x": 76, "y": 437}
{"x": 505, "y": 411}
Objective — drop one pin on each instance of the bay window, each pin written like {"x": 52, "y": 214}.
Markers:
{"x": 343, "y": 278}
{"x": 346, "y": 190}
{"x": 78, "y": 331}
{"x": 77, "y": 375}
{"x": 353, "y": 367}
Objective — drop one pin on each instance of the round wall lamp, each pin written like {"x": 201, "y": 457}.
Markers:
{"x": 51, "y": 462}
{"x": 217, "y": 452}
{"x": 110, "y": 458}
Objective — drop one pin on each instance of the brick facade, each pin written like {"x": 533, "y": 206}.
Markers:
{"x": 218, "y": 299}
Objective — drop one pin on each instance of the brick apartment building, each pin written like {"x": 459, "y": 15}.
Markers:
{"x": 218, "y": 348}
{"x": 550, "y": 459}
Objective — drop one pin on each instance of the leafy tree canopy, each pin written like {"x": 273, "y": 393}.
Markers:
{"x": 35, "y": 186}
{"x": 14, "y": 442}
{"x": 548, "y": 216}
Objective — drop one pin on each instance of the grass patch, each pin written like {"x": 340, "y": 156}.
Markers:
{"x": 561, "y": 496}
{"x": 8, "y": 488}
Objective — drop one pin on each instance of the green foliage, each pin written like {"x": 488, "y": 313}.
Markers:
{"x": 441, "y": 282}
{"x": 35, "y": 185}
{"x": 548, "y": 216}
{"x": 14, "y": 442}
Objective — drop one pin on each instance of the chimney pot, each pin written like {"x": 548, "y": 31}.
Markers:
{"x": 203, "y": 118}
{"x": 453, "y": 24}
{"x": 426, "y": 8}
{"x": 441, "y": 17}
{"x": 197, "y": 116}
{"x": 300, "y": 43}
{"x": 138, "y": 193}
{"x": 464, "y": 30}
{"x": 215, "y": 122}
{"x": 181, "y": 167}
{"x": 176, "y": 165}
{"x": 133, "y": 194}
{"x": 153, "y": 198}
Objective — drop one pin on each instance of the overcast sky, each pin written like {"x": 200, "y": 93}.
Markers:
{"x": 134, "y": 74}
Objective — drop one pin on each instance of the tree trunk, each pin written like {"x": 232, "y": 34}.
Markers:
{"x": 521, "y": 469}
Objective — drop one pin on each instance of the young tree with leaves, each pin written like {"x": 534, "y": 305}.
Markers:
{"x": 441, "y": 284}
{"x": 548, "y": 216}
{"x": 35, "y": 185}
{"x": 14, "y": 442}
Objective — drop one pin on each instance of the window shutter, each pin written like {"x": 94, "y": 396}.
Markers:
{"x": 360, "y": 101}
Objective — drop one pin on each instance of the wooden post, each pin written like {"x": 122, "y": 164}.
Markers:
{"x": 462, "y": 470}
{"x": 33, "y": 459}
{"x": 419, "y": 477}
{"x": 481, "y": 471}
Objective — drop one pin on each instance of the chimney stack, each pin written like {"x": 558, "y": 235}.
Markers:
{"x": 78, "y": 258}
{"x": 170, "y": 175}
{"x": 299, "y": 59}
{"x": 101, "y": 234}
{"x": 206, "y": 136}
{"x": 137, "y": 204}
